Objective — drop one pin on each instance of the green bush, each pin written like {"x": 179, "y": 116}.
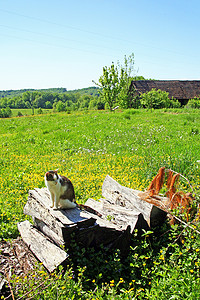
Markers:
{"x": 5, "y": 112}
{"x": 158, "y": 99}
{"x": 174, "y": 103}
{"x": 19, "y": 114}
{"x": 194, "y": 103}
{"x": 40, "y": 111}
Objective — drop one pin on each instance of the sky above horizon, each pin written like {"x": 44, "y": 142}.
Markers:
{"x": 51, "y": 44}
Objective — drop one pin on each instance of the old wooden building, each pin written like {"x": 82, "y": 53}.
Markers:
{"x": 182, "y": 90}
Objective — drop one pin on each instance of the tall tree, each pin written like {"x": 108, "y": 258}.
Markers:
{"x": 126, "y": 76}
{"x": 115, "y": 82}
{"x": 109, "y": 82}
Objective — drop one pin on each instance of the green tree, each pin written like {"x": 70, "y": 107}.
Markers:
{"x": 109, "y": 82}
{"x": 28, "y": 98}
{"x": 115, "y": 82}
{"x": 96, "y": 103}
{"x": 19, "y": 102}
{"x": 48, "y": 104}
{"x": 3, "y": 102}
{"x": 84, "y": 101}
{"x": 126, "y": 72}
{"x": 60, "y": 106}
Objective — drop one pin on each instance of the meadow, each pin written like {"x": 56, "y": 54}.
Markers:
{"x": 130, "y": 146}
{"x": 16, "y": 112}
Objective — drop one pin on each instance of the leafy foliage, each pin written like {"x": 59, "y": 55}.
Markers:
{"x": 5, "y": 112}
{"x": 109, "y": 82}
{"x": 115, "y": 82}
{"x": 73, "y": 100}
{"x": 194, "y": 103}
{"x": 157, "y": 99}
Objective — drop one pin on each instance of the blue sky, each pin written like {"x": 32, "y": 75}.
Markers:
{"x": 67, "y": 43}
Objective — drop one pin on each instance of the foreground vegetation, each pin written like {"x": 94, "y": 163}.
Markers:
{"x": 130, "y": 146}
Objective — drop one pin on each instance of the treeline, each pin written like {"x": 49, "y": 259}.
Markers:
{"x": 14, "y": 93}
{"x": 59, "y": 99}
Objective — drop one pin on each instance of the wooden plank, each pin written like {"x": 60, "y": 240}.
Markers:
{"x": 117, "y": 194}
{"x": 114, "y": 215}
{"x": 57, "y": 224}
{"x": 65, "y": 216}
{"x": 122, "y": 216}
{"x": 48, "y": 253}
{"x": 46, "y": 230}
{"x": 35, "y": 209}
{"x": 96, "y": 205}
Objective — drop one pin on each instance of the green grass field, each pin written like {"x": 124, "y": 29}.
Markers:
{"x": 130, "y": 146}
{"x": 28, "y": 111}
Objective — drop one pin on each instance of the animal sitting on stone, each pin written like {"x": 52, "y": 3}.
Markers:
{"x": 61, "y": 190}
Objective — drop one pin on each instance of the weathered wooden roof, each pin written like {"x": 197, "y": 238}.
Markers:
{"x": 179, "y": 89}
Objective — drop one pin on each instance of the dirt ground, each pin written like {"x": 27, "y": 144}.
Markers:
{"x": 15, "y": 258}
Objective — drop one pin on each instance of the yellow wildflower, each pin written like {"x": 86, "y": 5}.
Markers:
{"x": 112, "y": 282}
{"x": 121, "y": 280}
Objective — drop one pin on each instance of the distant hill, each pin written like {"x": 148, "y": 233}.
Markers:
{"x": 94, "y": 91}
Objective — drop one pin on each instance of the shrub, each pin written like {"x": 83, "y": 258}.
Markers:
{"x": 40, "y": 111}
{"x": 158, "y": 99}
{"x": 194, "y": 103}
{"x": 174, "y": 103}
{"x": 19, "y": 114}
{"x": 5, "y": 112}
